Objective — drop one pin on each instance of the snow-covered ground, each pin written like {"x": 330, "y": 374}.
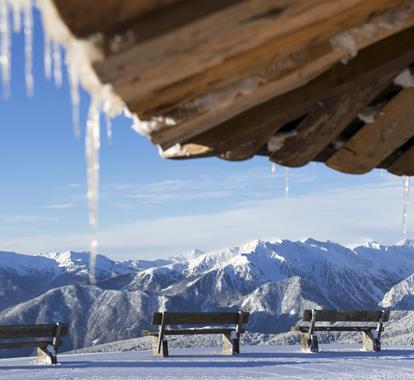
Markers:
{"x": 255, "y": 362}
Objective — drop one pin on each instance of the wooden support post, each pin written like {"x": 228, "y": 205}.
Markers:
{"x": 56, "y": 338}
{"x": 309, "y": 340}
{"x": 164, "y": 347}
{"x": 161, "y": 332}
{"x": 45, "y": 356}
{"x": 229, "y": 344}
{"x": 309, "y": 343}
{"x": 370, "y": 342}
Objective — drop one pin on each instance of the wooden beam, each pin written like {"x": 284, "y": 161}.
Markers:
{"x": 390, "y": 55}
{"x": 299, "y": 59}
{"x": 89, "y": 17}
{"x": 326, "y": 123}
{"x": 404, "y": 165}
{"x": 376, "y": 141}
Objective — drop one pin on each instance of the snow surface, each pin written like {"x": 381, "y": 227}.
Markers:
{"x": 255, "y": 362}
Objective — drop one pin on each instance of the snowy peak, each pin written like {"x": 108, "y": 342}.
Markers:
{"x": 405, "y": 243}
{"x": 79, "y": 262}
{"x": 26, "y": 264}
{"x": 193, "y": 254}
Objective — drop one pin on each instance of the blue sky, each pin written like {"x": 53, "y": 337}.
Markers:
{"x": 152, "y": 207}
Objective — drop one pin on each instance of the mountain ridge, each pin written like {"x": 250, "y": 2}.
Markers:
{"x": 274, "y": 281}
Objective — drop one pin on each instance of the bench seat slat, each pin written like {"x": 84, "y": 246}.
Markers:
{"x": 212, "y": 318}
{"x": 335, "y": 328}
{"x": 36, "y": 343}
{"x": 346, "y": 315}
{"x": 31, "y": 331}
{"x": 192, "y": 331}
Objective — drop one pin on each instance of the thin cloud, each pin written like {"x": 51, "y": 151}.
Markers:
{"x": 59, "y": 206}
{"x": 346, "y": 215}
{"x": 29, "y": 219}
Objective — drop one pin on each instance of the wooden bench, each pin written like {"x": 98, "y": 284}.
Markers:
{"x": 370, "y": 323}
{"x": 205, "y": 322}
{"x": 46, "y": 338}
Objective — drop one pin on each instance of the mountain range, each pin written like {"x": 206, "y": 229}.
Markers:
{"x": 274, "y": 281}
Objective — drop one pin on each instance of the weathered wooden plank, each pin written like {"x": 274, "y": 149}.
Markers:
{"x": 88, "y": 17}
{"x": 315, "y": 58}
{"x": 175, "y": 318}
{"x": 35, "y": 343}
{"x": 404, "y": 165}
{"x": 211, "y": 41}
{"x": 31, "y": 331}
{"x": 191, "y": 331}
{"x": 326, "y": 123}
{"x": 346, "y": 315}
{"x": 373, "y": 63}
{"x": 376, "y": 141}
{"x": 337, "y": 328}
{"x": 202, "y": 331}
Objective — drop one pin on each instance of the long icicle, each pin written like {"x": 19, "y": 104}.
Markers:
{"x": 57, "y": 63}
{"x": 5, "y": 47}
{"x": 28, "y": 47}
{"x": 75, "y": 99}
{"x": 287, "y": 183}
{"x": 47, "y": 58}
{"x": 406, "y": 202}
{"x": 92, "y": 144}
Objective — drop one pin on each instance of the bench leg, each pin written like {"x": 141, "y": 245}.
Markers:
{"x": 46, "y": 356}
{"x": 230, "y": 345}
{"x": 309, "y": 343}
{"x": 164, "y": 347}
{"x": 370, "y": 342}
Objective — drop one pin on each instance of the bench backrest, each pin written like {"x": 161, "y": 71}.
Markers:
{"x": 31, "y": 331}
{"x": 207, "y": 318}
{"x": 346, "y": 315}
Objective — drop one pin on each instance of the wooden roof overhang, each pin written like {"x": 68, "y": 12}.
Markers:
{"x": 294, "y": 80}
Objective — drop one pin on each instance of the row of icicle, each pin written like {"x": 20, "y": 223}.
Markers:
{"x": 21, "y": 13}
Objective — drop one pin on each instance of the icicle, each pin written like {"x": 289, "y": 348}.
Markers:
{"x": 5, "y": 47}
{"x": 287, "y": 183}
{"x": 273, "y": 167}
{"x": 47, "y": 58}
{"x": 57, "y": 63}
{"x": 92, "y": 144}
{"x": 75, "y": 99}
{"x": 108, "y": 128}
{"x": 406, "y": 202}
{"x": 17, "y": 19}
{"x": 28, "y": 47}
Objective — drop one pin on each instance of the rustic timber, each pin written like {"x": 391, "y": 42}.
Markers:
{"x": 404, "y": 165}
{"x": 46, "y": 349}
{"x": 392, "y": 128}
{"x": 87, "y": 17}
{"x": 30, "y": 331}
{"x": 346, "y": 315}
{"x": 370, "y": 323}
{"x": 206, "y": 322}
{"x": 281, "y": 78}
{"x": 314, "y": 59}
{"x": 390, "y": 55}
{"x": 326, "y": 123}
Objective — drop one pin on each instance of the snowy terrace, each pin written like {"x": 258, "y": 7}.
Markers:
{"x": 255, "y": 362}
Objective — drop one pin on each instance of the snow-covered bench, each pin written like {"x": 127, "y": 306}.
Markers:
{"x": 204, "y": 323}
{"x": 46, "y": 338}
{"x": 370, "y": 323}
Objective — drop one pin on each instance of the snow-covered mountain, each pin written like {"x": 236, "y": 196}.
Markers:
{"x": 23, "y": 277}
{"x": 274, "y": 281}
